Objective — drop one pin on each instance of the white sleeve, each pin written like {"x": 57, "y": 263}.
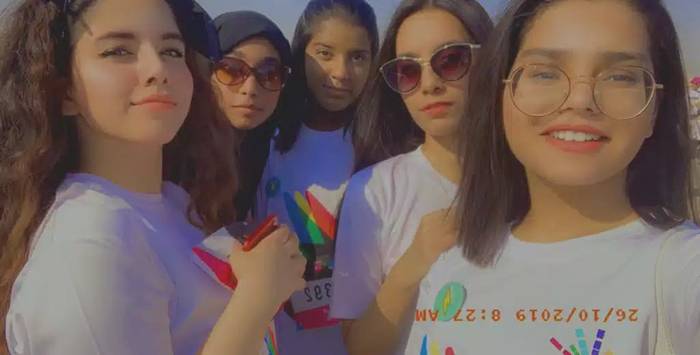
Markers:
{"x": 97, "y": 292}
{"x": 357, "y": 275}
{"x": 682, "y": 292}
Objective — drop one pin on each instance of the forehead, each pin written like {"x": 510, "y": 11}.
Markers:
{"x": 255, "y": 48}
{"x": 141, "y": 17}
{"x": 413, "y": 39}
{"x": 340, "y": 32}
{"x": 588, "y": 27}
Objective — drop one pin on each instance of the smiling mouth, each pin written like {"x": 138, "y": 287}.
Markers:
{"x": 576, "y": 136}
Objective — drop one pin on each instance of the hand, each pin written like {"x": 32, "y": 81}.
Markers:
{"x": 437, "y": 233}
{"x": 273, "y": 270}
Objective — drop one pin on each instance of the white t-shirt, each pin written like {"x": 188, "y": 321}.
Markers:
{"x": 594, "y": 292}
{"x": 381, "y": 212}
{"x": 110, "y": 272}
{"x": 304, "y": 187}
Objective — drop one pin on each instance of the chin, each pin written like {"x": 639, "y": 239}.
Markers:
{"x": 244, "y": 123}
{"x": 334, "y": 106}
{"x": 573, "y": 175}
{"x": 438, "y": 128}
{"x": 153, "y": 138}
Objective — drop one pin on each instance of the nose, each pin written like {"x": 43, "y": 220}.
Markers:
{"x": 581, "y": 97}
{"x": 249, "y": 87}
{"x": 152, "y": 68}
{"x": 340, "y": 69}
{"x": 431, "y": 83}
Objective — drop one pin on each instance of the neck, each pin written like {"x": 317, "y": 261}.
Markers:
{"x": 559, "y": 213}
{"x": 134, "y": 167}
{"x": 441, "y": 153}
{"x": 324, "y": 120}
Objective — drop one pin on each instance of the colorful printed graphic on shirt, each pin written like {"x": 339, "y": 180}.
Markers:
{"x": 583, "y": 346}
{"x": 313, "y": 217}
{"x": 449, "y": 301}
{"x": 271, "y": 341}
{"x": 429, "y": 347}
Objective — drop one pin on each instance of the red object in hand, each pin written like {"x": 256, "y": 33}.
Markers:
{"x": 266, "y": 228}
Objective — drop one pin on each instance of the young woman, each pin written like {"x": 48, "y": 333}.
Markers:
{"x": 97, "y": 112}
{"x": 248, "y": 81}
{"x": 574, "y": 192}
{"x": 312, "y": 157}
{"x": 410, "y": 111}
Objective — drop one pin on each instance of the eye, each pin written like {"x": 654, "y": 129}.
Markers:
{"x": 621, "y": 78}
{"x": 360, "y": 57}
{"x": 544, "y": 75}
{"x": 115, "y": 52}
{"x": 324, "y": 54}
{"x": 174, "y": 52}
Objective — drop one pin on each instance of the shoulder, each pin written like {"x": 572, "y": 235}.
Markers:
{"x": 683, "y": 243}
{"x": 384, "y": 174}
{"x": 84, "y": 222}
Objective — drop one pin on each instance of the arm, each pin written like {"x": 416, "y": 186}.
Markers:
{"x": 379, "y": 329}
{"x": 267, "y": 276}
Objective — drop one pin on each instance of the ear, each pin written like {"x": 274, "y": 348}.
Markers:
{"x": 68, "y": 106}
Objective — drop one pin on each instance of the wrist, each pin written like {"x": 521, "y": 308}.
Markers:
{"x": 410, "y": 269}
{"x": 255, "y": 295}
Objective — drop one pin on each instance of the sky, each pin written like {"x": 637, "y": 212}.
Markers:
{"x": 686, "y": 15}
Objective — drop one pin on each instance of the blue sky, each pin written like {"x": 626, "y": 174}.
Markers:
{"x": 686, "y": 14}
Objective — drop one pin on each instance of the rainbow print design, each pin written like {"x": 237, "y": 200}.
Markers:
{"x": 313, "y": 223}
{"x": 271, "y": 342}
{"x": 582, "y": 348}
{"x": 433, "y": 348}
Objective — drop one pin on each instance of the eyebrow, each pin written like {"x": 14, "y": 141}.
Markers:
{"x": 241, "y": 56}
{"x": 359, "y": 51}
{"x": 414, "y": 55}
{"x": 320, "y": 44}
{"x": 130, "y": 36}
{"x": 608, "y": 57}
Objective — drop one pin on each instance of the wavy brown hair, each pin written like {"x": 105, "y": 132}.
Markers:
{"x": 38, "y": 146}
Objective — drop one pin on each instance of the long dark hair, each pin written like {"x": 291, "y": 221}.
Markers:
{"x": 494, "y": 193}
{"x": 300, "y": 98}
{"x": 383, "y": 127}
{"x": 39, "y": 147}
{"x": 252, "y": 152}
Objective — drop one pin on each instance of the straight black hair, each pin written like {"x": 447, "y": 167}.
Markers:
{"x": 299, "y": 97}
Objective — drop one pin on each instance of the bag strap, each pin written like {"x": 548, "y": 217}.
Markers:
{"x": 663, "y": 344}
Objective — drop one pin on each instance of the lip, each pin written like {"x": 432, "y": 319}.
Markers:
{"x": 436, "y": 105}
{"x": 249, "y": 107}
{"x": 576, "y": 147}
{"x": 158, "y": 99}
{"x": 337, "y": 90}
{"x": 437, "y": 109}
